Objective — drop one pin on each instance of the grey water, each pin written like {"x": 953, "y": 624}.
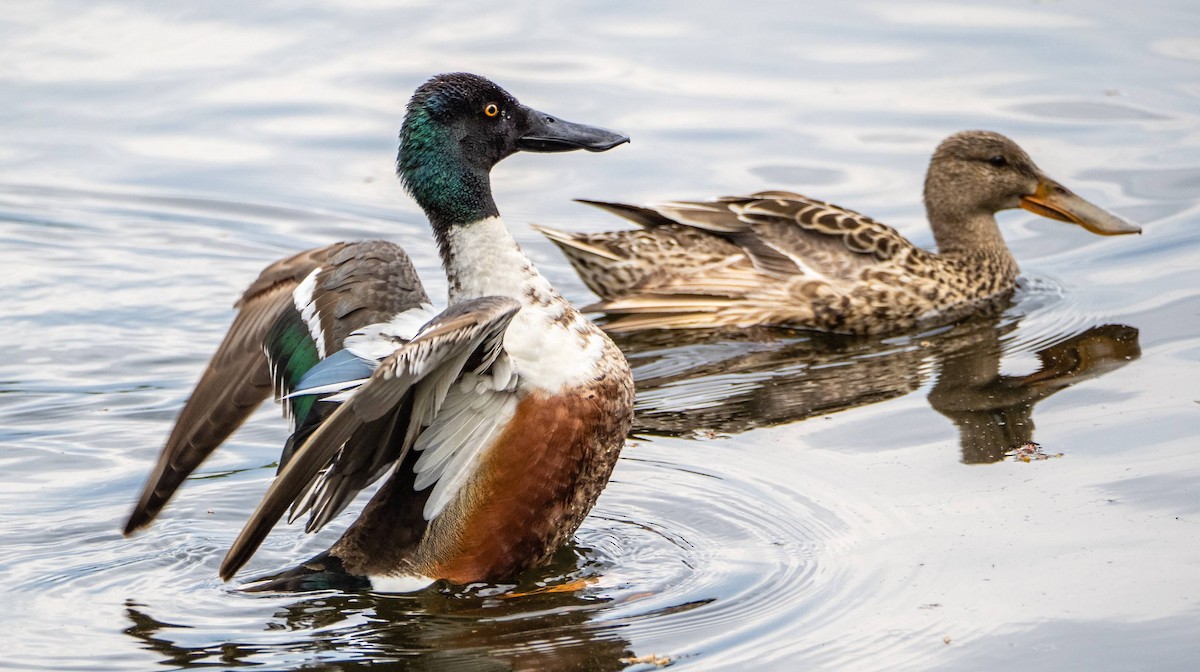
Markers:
{"x": 787, "y": 501}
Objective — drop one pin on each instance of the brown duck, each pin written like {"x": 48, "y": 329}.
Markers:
{"x": 782, "y": 259}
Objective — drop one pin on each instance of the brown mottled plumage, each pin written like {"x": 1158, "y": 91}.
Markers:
{"x": 779, "y": 258}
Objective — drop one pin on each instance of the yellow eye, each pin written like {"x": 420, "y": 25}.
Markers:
{"x": 491, "y": 110}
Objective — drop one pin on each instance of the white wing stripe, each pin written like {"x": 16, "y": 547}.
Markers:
{"x": 377, "y": 341}
{"x": 302, "y": 297}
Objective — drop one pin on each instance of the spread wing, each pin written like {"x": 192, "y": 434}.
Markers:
{"x": 235, "y": 382}
{"x": 277, "y": 335}
{"x": 452, "y": 383}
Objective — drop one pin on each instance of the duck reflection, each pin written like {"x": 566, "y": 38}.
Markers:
{"x": 761, "y": 378}
{"x": 541, "y": 624}
{"x": 994, "y": 412}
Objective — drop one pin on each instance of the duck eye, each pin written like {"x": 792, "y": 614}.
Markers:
{"x": 998, "y": 161}
{"x": 491, "y": 109}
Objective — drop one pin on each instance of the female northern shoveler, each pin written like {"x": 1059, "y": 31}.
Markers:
{"x": 501, "y": 417}
{"x": 782, "y": 259}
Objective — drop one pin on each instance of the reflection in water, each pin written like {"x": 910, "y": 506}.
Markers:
{"x": 154, "y": 159}
{"x": 527, "y": 627}
{"x": 994, "y": 412}
{"x": 573, "y": 615}
{"x": 765, "y": 377}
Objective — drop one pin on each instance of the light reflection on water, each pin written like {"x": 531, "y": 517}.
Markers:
{"x": 790, "y": 500}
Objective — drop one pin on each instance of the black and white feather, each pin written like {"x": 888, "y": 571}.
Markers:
{"x": 453, "y": 362}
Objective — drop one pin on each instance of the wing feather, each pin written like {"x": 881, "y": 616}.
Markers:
{"x": 237, "y": 379}
{"x": 419, "y": 372}
{"x": 272, "y": 343}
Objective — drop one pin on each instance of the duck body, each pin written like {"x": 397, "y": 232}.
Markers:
{"x": 779, "y": 259}
{"x": 558, "y": 404}
{"x": 782, "y": 259}
{"x": 496, "y": 421}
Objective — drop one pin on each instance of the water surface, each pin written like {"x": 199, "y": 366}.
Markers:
{"x": 787, "y": 501}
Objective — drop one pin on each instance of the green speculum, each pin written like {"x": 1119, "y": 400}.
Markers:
{"x": 291, "y": 349}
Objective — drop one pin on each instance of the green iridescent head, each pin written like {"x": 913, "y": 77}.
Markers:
{"x": 458, "y": 126}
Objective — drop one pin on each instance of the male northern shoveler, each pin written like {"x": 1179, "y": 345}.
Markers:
{"x": 782, "y": 259}
{"x": 501, "y": 418}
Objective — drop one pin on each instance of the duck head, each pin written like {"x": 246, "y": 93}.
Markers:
{"x": 975, "y": 174}
{"x": 458, "y": 126}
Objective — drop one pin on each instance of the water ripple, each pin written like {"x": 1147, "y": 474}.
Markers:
{"x": 792, "y": 503}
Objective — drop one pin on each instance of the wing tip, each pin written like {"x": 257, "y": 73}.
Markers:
{"x": 148, "y": 507}
{"x": 228, "y": 569}
{"x": 243, "y": 547}
{"x": 137, "y": 520}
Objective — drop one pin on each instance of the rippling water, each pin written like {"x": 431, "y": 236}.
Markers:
{"x": 788, "y": 501}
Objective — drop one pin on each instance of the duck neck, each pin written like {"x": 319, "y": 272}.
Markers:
{"x": 452, "y": 186}
{"x": 479, "y": 255}
{"x": 973, "y": 252}
{"x": 483, "y": 259}
{"x": 962, "y": 226}
{"x": 964, "y": 233}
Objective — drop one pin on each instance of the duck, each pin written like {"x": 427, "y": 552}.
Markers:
{"x": 780, "y": 259}
{"x": 496, "y": 421}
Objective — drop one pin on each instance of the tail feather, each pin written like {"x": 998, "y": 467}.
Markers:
{"x": 667, "y": 303}
{"x": 643, "y": 217}
{"x": 570, "y": 242}
{"x": 633, "y": 322}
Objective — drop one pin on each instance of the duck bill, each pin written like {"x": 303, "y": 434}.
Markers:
{"x": 547, "y": 133}
{"x": 1057, "y": 202}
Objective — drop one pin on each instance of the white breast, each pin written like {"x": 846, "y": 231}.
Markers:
{"x": 551, "y": 344}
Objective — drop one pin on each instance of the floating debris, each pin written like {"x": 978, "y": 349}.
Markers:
{"x": 708, "y": 434}
{"x": 649, "y": 659}
{"x": 1029, "y": 452}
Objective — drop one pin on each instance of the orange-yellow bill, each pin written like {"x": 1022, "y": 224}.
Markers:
{"x": 1057, "y": 202}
